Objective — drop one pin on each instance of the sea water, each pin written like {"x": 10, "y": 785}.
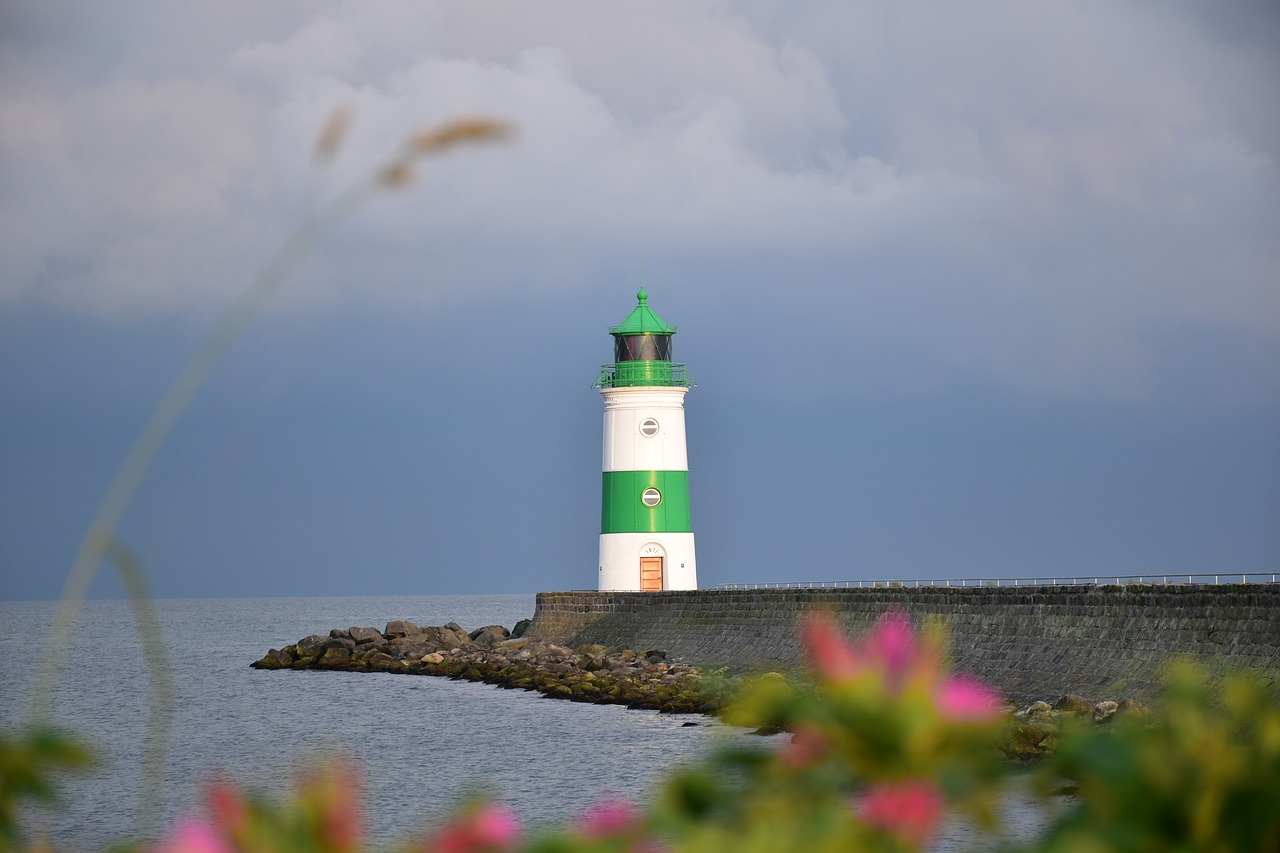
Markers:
{"x": 423, "y": 744}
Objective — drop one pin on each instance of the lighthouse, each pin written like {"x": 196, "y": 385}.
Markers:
{"x": 646, "y": 539}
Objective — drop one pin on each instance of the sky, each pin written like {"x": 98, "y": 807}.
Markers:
{"x": 969, "y": 290}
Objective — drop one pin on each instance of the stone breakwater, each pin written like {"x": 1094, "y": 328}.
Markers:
{"x": 606, "y": 675}
{"x": 1029, "y": 642}
{"x": 588, "y": 673}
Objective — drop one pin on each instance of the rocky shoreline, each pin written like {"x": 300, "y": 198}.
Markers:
{"x": 494, "y": 655}
{"x": 606, "y": 675}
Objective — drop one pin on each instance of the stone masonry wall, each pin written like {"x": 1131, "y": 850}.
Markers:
{"x": 1031, "y": 642}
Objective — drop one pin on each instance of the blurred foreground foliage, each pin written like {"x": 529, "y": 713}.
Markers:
{"x": 28, "y": 764}
{"x": 884, "y": 746}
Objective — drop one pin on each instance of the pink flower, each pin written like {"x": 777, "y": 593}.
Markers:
{"x": 890, "y": 648}
{"x": 892, "y": 645}
{"x": 496, "y": 826}
{"x": 227, "y": 806}
{"x": 331, "y": 792}
{"x": 807, "y": 746}
{"x": 829, "y": 652}
{"x": 607, "y": 818}
{"x": 487, "y": 828}
{"x": 195, "y": 836}
{"x": 963, "y": 699}
{"x": 909, "y": 810}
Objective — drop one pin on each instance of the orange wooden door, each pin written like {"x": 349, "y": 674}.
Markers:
{"x": 650, "y": 574}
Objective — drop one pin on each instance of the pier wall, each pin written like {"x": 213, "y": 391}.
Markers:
{"x": 1030, "y": 642}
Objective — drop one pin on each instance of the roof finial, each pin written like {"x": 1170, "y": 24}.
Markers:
{"x": 641, "y": 295}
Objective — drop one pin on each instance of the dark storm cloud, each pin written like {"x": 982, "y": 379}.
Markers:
{"x": 970, "y": 288}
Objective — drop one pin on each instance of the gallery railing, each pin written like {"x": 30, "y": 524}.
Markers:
{"x": 632, "y": 374}
{"x": 1060, "y": 580}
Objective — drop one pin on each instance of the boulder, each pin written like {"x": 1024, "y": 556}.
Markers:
{"x": 1074, "y": 705}
{"x": 313, "y": 645}
{"x": 655, "y": 655}
{"x": 1030, "y": 739}
{"x": 521, "y": 628}
{"x": 273, "y": 659}
{"x": 1131, "y": 707}
{"x": 488, "y": 636}
{"x": 445, "y": 637}
{"x": 339, "y": 634}
{"x": 1038, "y": 709}
{"x": 365, "y": 635}
{"x": 400, "y": 628}
{"x": 412, "y": 647}
{"x": 1103, "y": 711}
{"x": 335, "y": 656}
{"x": 381, "y": 661}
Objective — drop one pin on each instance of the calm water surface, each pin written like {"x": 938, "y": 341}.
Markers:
{"x": 423, "y": 743}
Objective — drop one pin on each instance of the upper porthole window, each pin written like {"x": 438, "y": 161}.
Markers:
{"x": 649, "y": 427}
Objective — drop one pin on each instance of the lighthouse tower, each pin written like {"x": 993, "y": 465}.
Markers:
{"x": 646, "y": 541}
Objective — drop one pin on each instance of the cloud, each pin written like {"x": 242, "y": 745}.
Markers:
{"x": 1042, "y": 195}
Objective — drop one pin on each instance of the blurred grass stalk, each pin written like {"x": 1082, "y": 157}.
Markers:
{"x": 101, "y": 541}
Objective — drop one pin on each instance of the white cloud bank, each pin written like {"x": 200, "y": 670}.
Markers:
{"x": 1083, "y": 175}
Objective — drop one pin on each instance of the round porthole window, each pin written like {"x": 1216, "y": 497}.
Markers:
{"x": 651, "y": 497}
{"x": 649, "y": 427}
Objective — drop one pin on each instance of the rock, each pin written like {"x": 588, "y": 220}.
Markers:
{"x": 273, "y": 659}
{"x": 1076, "y": 706}
{"x": 414, "y": 646}
{"x": 1038, "y": 710}
{"x": 1030, "y": 739}
{"x": 655, "y": 655}
{"x": 515, "y": 644}
{"x": 1131, "y": 707}
{"x": 445, "y": 637}
{"x": 488, "y": 636}
{"x": 1103, "y": 711}
{"x": 365, "y": 635}
{"x": 312, "y": 646}
{"x": 335, "y": 656}
{"x": 454, "y": 626}
{"x": 381, "y": 661}
{"x": 521, "y": 628}
{"x": 434, "y": 657}
{"x": 400, "y": 628}
{"x": 339, "y": 634}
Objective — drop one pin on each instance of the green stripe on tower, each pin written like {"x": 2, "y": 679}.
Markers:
{"x": 622, "y": 503}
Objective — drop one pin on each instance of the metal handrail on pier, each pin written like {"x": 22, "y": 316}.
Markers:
{"x": 1061, "y": 580}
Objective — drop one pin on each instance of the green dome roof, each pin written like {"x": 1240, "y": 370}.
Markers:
{"x": 642, "y": 320}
